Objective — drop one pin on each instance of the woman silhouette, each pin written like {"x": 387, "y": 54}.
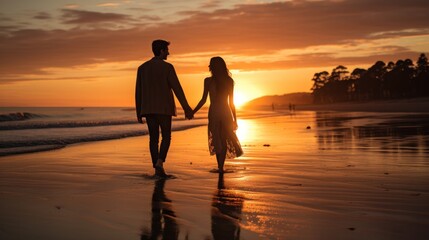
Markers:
{"x": 222, "y": 116}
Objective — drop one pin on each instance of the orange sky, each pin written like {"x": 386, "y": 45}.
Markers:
{"x": 85, "y": 53}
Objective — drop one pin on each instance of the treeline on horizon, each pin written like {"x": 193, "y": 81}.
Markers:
{"x": 402, "y": 79}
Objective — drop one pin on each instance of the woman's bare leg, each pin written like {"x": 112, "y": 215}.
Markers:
{"x": 220, "y": 157}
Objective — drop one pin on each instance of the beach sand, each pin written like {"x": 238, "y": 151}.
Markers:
{"x": 395, "y": 105}
{"x": 325, "y": 182}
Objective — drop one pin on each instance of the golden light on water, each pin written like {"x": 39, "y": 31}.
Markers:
{"x": 245, "y": 131}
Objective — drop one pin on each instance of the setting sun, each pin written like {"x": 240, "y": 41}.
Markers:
{"x": 240, "y": 99}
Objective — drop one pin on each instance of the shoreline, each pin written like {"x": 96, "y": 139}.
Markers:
{"x": 415, "y": 105}
{"x": 396, "y": 105}
{"x": 54, "y": 145}
{"x": 12, "y": 148}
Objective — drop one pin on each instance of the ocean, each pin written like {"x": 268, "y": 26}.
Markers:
{"x": 33, "y": 129}
{"x": 24, "y": 130}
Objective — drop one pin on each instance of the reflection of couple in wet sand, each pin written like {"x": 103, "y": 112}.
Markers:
{"x": 162, "y": 212}
{"x": 155, "y": 84}
{"x": 225, "y": 214}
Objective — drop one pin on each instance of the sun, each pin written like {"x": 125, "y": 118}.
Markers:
{"x": 240, "y": 99}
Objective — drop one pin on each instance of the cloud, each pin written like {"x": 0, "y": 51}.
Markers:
{"x": 72, "y": 16}
{"x": 142, "y": 9}
{"x": 5, "y": 19}
{"x": 43, "y": 16}
{"x": 108, "y": 4}
{"x": 71, "y": 6}
{"x": 12, "y": 79}
{"x": 188, "y": 13}
{"x": 5, "y": 29}
{"x": 31, "y": 51}
{"x": 288, "y": 25}
{"x": 401, "y": 33}
{"x": 246, "y": 30}
{"x": 305, "y": 60}
{"x": 211, "y": 4}
{"x": 150, "y": 18}
{"x": 326, "y": 60}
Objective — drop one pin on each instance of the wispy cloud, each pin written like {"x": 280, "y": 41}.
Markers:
{"x": 42, "y": 16}
{"x": 5, "y": 19}
{"x": 108, "y": 4}
{"x": 211, "y": 4}
{"x": 72, "y": 16}
{"x": 71, "y": 6}
{"x": 150, "y": 18}
{"x": 6, "y": 80}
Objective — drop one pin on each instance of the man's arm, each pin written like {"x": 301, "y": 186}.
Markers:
{"x": 173, "y": 80}
{"x": 138, "y": 97}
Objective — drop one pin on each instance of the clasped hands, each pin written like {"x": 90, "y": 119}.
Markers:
{"x": 189, "y": 114}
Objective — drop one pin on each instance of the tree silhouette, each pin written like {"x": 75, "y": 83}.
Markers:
{"x": 319, "y": 79}
{"x": 353, "y": 91}
{"x": 422, "y": 76}
{"x": 338, "y": 84}
{"x": 402, "y": 79}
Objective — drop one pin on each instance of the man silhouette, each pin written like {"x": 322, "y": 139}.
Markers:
{"x": 155, "y": 84}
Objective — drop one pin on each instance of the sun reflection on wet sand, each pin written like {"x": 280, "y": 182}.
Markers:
{"x": 244, "y": 131}
{"x": 284, "y": 133}
{"x": 302, "y": 180}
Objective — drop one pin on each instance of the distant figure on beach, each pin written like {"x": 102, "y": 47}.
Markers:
{"x": 273, "y": 107}
{"x": 155, "y": 84}
{"x": 222, "y": 116}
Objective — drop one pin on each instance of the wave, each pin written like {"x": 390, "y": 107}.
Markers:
{"x": 19, "y": 116}
{"x": 64, "y": 124}
{"x": 21, "y": 150}
{"x": 59, "y": 128}
{"x": 69, "y": 140}
{"x": 70, "y": 124}
{"x": 9, "y": 147}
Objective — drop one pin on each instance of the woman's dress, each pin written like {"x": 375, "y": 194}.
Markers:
{"x": 221, "y": 132}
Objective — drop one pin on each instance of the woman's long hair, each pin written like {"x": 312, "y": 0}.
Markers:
{"x": 220, "y": 74}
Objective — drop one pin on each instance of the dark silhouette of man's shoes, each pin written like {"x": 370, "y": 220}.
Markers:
{"x": 160, "y": 172}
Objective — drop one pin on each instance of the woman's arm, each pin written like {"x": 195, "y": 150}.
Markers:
{"x": 204, "y": 98}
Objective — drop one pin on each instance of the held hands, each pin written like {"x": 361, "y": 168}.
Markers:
{"x": 192, "y": 113}
{"x": 189, "y": 114}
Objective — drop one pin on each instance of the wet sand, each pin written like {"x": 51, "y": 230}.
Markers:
{"x": 349, "y": 176}
{"x": 396, "y": 105}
